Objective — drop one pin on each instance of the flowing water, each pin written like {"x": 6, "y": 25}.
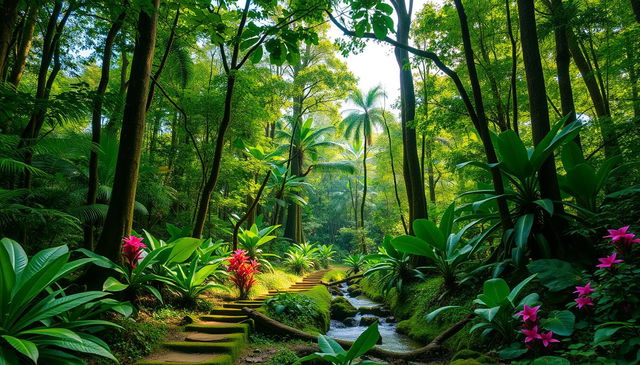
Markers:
{"x": 391, "y": 340}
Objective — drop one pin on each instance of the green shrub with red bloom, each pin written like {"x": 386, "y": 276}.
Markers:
{"x": 132, "y": 250}
{"x": 243, "y": 272}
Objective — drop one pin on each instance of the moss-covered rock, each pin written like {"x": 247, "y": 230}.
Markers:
{"x": 341, "y": 308}
{"x": 368, "y": 320}
{"x": 376, "y": 311}
{"x": 354, "y": 290}
{"x": 308, "y": 311}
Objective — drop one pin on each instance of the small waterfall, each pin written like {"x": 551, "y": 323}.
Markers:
{"x": 391, "y": 340}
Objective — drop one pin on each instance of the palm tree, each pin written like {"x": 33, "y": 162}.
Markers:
{"x": 359, "y": 125}
{"x": 305, "y": 146}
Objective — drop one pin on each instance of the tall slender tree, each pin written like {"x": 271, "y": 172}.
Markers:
{"x": 120, "y": 214}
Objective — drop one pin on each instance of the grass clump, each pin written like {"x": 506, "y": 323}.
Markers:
{"x": 135, "y": 340}
{"x": 278, "y": 279}
{"x": 334, "y": 275}
{"x": 283, "y": 357}
{"x": 307, "y": 311}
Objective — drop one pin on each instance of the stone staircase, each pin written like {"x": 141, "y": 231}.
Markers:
{"x": 219, "y": 337}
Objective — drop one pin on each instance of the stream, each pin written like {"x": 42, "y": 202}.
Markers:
{"x": 391, "y": 340}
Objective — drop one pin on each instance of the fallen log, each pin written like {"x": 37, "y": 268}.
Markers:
{"x": 342, "y": 281}
{"x": 428, "y": 352}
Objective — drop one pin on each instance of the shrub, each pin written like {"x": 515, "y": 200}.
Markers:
{"x": 242, "y": 272}
{"x": 298, "y": 262}
{"x": 38, "y": 320}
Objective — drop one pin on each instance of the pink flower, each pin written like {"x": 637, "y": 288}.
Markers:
{"x": 622, "y": 240}
{"x": 529, "y": 313}
{"x": 531, "y": 334}
{"x": 583, "y": 301}
{"x": 547, "y": 338}
{"x": 584, "y": 290}
{"x": 608, "y": 261}
{"x": 132, "y": 250}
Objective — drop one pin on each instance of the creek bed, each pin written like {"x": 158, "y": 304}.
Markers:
{"x": 391, "y": 340}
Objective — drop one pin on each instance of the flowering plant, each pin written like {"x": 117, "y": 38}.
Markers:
{"x": 132, "y": 252}
{"x": 242, "y": 271}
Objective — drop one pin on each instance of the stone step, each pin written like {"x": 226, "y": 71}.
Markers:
{"x": 182, "y": 358}
{"x": 209, "y": 337}
{"x": 227, "y": 312}
{"x": 218, "y": 327}
{"x": 222, "y": 318}
{"x": 229, "y": 348}
{"x": 242, "y": 305}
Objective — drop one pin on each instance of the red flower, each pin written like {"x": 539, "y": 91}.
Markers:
{"x": 243, "y": 271}
{"x": 132, "y": 250}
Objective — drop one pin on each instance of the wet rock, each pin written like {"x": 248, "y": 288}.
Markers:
{"x": 341, "y": 308}
{"x": 376, "y": 311}
{"x": 368, "y": 320}
{"x": 391, "y": 319}
{"x": 350, "y": 322}
{"x": 334, "y": 290}
{"x": 354, "y": 290}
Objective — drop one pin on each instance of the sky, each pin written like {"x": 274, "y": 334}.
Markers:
{"x": 376, "y": 65}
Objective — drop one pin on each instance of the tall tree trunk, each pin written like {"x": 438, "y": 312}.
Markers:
{"x": 413, "y": 182}
{"x": 430, "y": 176}
{"x": 96, "y": 125}
{"x": 481, "y": 118}
{"x": 9, "y": 15}
{"x": 120, "y": 214}
{"x": 24, "y": 46}
{"x": 50, "y": 53}
{"x": 393, "y": 172}
{"x": 600, "y": 103}
{"x": 293, "y": 226}
{"x": 563, "y": 61}
{"x": 364, "y": 191}
{"x": 538, "y": 107}
{"x": 514, "y": 68}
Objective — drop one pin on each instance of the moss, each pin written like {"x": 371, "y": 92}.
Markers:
{"x": 275, "y": 280}
{"x": 334, "y": 275}
{"x": 418, "y": 300}
{"x": 283, "y": 357}
{"x": 135, "y": 339}
{"x": 341, "y": 308}
{"x": 465, "y": 362}
{"x": 467, "y": 354}
{"x": 308, "y": 311}
{"x": 320, "y": 295}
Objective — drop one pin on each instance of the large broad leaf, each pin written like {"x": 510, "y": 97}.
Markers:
{"x": 329, "y": 346}
{"x": 571, "y": 156}
{"x": 413, "y": 245}
{"x": 522, "y": 230}
{"x": 7, "y": 278}
{"x": 27, "y": 348}
{"x": 41, "y": 260}
{"x": 446, "y": 222}
{"x": 488, "y": 314}
{"x": 114, "y": 285}
{"x": 182, "y": 249}
{"x": 364, "y": 342}
{"x": 603, "y": 334}
{"x": 552, "y": 141}
{"x": 560, "y": 322}
{"x": 495, "y": 292}
{"x": 427, "y": 231}
{"x": 16, "y": 255}
{"x": 555, "y": 274}
{"x": 512, "y": 153}
{"x": 512, "y": 352}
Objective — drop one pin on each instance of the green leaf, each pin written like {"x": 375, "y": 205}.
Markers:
{"x": 550, "y": 360}
{"x": 512, "y": 153}
{"x": 512, "y": 352}
{"x": 330, "y": 346}
{"x": 16, "y": 255}
{"x": 603, "y": 334}
{"x": 516, "y": 291}
{"x": 556, "y": 275}
{"x": 182, "y": 249}
{"x": 495, "y": 291}
{"x": 113, "y": 285}
{"x": 256, "y": 56}
{"x": 364, "y": 342}
{"x": 446, "y": 222}
{"x": 27, "y": 348}
{"x": 385, "y": 8}
{"x": 522, "y": 229}
{"x": 414, "y": 246}
{"x": 560, "y": 322}
{"x": 487, "y": 314}
{"x": 545, "y": 204}
{"x": 427, "y": 231}
{"x": 431, "y": 316}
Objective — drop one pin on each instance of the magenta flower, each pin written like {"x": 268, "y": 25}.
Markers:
{"x": 529, "y": 313}
{"x": 584, "y": 290}
{"x": 622, "y": 240}
{"x": 132, "y": 250}
{"x": 531, "y": 334}
{"x": 547, "y": 338}
{"x": 608, "y": 261}
{"x": 583, "y": 302}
